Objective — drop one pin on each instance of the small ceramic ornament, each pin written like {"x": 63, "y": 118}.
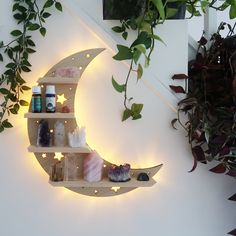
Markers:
{"x": 44, "y": 137}
{"x": 71, "y": 168}
{"x": 77, "y": 138}
{"x": 71, "y": 72}
{"x": 59, "y": 134}
{"x": 93, "y": 166}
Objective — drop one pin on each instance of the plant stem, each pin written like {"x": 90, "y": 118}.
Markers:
{"x": 126, "y": 83}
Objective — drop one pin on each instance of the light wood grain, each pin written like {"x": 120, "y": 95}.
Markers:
{"x": 54, "y": 149}
{"x": 58, "y": 80}
{"x": 56, "y": 115}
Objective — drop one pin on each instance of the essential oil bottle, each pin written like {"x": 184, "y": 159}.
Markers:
{"x": 50, "y": 98}
{"x": 36, "y": 102}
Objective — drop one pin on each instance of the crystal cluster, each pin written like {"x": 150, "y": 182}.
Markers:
{"x": 44, "y": 137}
{"x": 77, "y": 138}
{"x": 119, "y": 173}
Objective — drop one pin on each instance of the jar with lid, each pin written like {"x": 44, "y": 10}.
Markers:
{"x": 36, "y": 102}
{"x": 50, "y": 98}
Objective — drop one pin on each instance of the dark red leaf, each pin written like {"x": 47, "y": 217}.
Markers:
{"x": 198, "y": 153}
{"x": 233, "y": 232}
{"x": 219, "y": 169}
{"x": 177, "y": 89}
{"x": 173, "y": 123}
{"x": 179, "y": 76}
{"x": 231, "y": 173}
{"x": 224, "y": 151}
{"x": 219, "y": 140}
{"x": 232, "y": 198}
{"x": 194, "y": 165}
{"x": 202, "y": 41}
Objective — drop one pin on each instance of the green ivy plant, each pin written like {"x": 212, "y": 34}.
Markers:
{"x": 156, "y": 12}
{"x": 30, "y": 16}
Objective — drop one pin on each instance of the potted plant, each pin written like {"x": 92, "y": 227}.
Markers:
{"x": 143, "y": 22}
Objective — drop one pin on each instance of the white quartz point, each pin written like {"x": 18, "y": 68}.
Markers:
{"x": 59, "y": 134}
{"x": 77, "y": 138}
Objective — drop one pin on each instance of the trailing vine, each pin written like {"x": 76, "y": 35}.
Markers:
{"x": 155, "y": 12}
{"x": 30, "y": 16}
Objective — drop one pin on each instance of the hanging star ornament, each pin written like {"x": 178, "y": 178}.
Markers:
{"x": 61, "y": 98}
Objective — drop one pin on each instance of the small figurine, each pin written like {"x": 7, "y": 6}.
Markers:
{"x": 65, "y": 109}
{"x": 119, "y": 173}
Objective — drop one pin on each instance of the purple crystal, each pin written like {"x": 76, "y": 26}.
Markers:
{"x": 119, "y": 173}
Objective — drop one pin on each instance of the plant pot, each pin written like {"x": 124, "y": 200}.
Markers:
{"x": 127, "y": 9}
{"x": 123, "y": 9}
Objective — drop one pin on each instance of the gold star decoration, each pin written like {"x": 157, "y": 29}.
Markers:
{"x": 61, "y": 98}
{"x": 58, "y": 156}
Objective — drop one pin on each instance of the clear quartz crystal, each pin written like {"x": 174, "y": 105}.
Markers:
{"x": 59, "y": 134}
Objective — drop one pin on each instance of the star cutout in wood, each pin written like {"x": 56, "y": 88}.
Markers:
{"x": 61, "y": 98}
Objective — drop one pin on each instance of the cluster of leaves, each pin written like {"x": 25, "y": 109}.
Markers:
{"x": 210, "y": 103}
{"x": 156, "y": 12}
{"x": 30, "y": 17}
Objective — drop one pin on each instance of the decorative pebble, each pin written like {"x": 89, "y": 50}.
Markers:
{"x": 65, "y": 109}
{"x": 143, "y": 177}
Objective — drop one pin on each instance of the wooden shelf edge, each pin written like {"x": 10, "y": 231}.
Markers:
{"x": 56, "y": 115}
{"x": 58, "y": 80}
{"x": 53, "y": 149}
{"x": 105, "y": 183}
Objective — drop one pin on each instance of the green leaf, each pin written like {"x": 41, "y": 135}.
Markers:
{"x": 25, "y": 69}
{"x": 16, "y": 33}
{"x": 232, "y": 11}
{"x": 136, "y": 116}
{"x": 124, "y": 53}
{"x": 24, "y": 103}
{"x": 1, "y": 57}
{"x": 4, "y": 91}
{"x": 171, "y": 12}
{"x": 139, "y": 72}
{"x": 136, "y": 108}
{"x": 136, "y": 56}
{"x": 126, "y": 114}
{"x": 30, "y": 50}
{"x": 156, "y": 37}
{"x": 34, "y": 26}
{"x": 58, "y": 6}
{"x": 6, "y": 124}
{"x": 118, "y": 29}
{"x": 1, "y": 128}
{"x": 160, "y": 7}
{"x": 46, "y": 14}
{"x": 25, "y": 88}
{"x": 143, "y": 38}
{"x": 141, "y": 48}
{"x": 125, "y": 35}
{"x": 118, "y": 87}
{"x": 30, "y": 42}
{"x": 15, "y": 109}
{"x": 48, "y": 3}
{"x": 43, "y": 31}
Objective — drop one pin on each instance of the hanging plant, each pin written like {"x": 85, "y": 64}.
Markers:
{"x": 210, "y": 104}
{"x": 16, "y": 53}
{"x": 151, "y": 14}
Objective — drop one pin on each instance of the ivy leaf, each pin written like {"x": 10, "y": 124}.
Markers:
{"x": 136, "y": 108}
{"x": 179, "y": 76}
{"x": 24, "y": 103}
{"x": 48, "y": 3}
{"x": 16, "y": 33}
{"x": 118, "y": 29}
{"x": 232, "y": 198}
{"x": 118, "y": 87}
{"x": 25, "y": 88}
{"x": 6, "y": 124}
{"x": 232, "y": 11}
{"x": 43, "y": 31}
{"x": 58, "y": 6}
{"x": 156, "y": 37}
{"x": 139, "y": 72}
{"x": 170, "y": 12}
{"x": 124, "y": 53}
{"x": 233, "y": 232}
{"x": 25, "y": 69}
{"x": 33, "y": 27}
{"x": 173, "y": 123}
{"x": 1, "y": 57}
{"x": 141, "y": 48}
{"x": 46, "y": 14}
{"x": 160, "y": 7}
{"x": 126, "y": 114}
{"x": 125, "y": 35}
{"x": 4, "y": 91}
{"x": 1, "y": 128}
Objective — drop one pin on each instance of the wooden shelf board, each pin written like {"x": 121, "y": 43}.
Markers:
{"x": 58, "y": 80}
{"x": 105, "y": 183}
{"x": 56, "y": 115}
{"x": 58, "y": 149}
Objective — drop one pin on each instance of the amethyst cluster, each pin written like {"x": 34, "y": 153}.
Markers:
{"x": 119, "y": 173}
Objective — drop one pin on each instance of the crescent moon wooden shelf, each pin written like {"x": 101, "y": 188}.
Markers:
{"x": 46, "y": 155}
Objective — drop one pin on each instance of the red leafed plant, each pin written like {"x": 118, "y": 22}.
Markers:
{"x": 210, "y": 103}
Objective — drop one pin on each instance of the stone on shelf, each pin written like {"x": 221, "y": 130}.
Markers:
{"x": 59, "y": 134}
{"x": 44, "y": 137}
{"x": 77, "y": 138}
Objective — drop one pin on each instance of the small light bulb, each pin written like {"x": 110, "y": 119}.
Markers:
{"x": 104, "y": 166}
{"x": 115, "y": 189}
{"x": 44, "y": 155}
{"x": 42, "y": 86}
{"x": 65, "y": 121}
{"x": 80, "y": 68}
{"x": 95, "y": 191}
{"x": 72, "y": 58}
{"x": 37, "y": 121}
{"x": 51, "y": 131}
{"x": 70, "y": 89}
{"x": 88, "y": 55}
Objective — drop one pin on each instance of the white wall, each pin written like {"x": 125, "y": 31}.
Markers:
{"x": 179, "y": 204}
